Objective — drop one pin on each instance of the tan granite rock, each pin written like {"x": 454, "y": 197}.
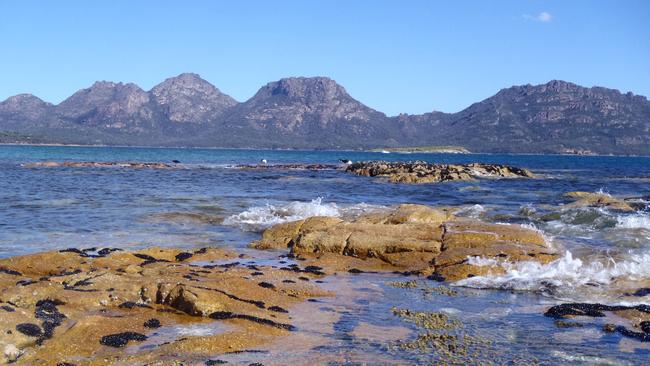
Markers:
{"x": 597, "y": 199}
{"x": 413, "y": 238}
{"x": 85, "y": 305}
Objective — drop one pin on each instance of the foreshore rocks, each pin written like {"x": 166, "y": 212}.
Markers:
{"x": 314, "y": 167}
{"x": 629, "y": 321}
{"x": 413, "y": 238}
{"x": 422, "y": 172}
{"x": 599, "y": 200}
{"x": 101, "y": 164}
{"x": 76, "y": 305}
{"x": 396, "y": 172}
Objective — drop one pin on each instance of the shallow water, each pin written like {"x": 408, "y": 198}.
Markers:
{"x": 208, "y": 202}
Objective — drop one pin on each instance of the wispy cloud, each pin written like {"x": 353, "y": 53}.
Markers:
{"x": 543, "y": 17}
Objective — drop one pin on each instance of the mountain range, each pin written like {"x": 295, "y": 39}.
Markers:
{"x": 318, "y": 113}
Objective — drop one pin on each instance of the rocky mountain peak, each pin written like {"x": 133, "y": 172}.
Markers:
{"x": 311, "y": 89}
{"x": 184, "y": 80}
{"x": 108, "y": 104}
{"x": 109, "y": 89}
{"x": 316, "y": 112}
{"x": 309, "y": 109}
{"x": 104, "y": 92}
{"x": 20, "y": 102}
{"x": 559, "y": 86}
{"x": 292, "y": 102}
{"x": 189, "y": 98}
{"x": 24, "y": 108}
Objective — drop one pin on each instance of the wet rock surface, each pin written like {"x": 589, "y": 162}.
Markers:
{"x": 122, "y": 339}
{"x": 287, "y": 166}
{"x": 630, "y": 321}
{"x": 414, "y": 238}
{"x": 423, "y": 172}
{"x": 91, "y": 305}
{"x": 442, "y": 339}
{"x": 598, "y": 199}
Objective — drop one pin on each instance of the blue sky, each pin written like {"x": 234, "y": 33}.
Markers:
{"x": 395, "y": 56}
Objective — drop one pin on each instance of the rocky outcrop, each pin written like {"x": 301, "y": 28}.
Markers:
{"x": 77, "y": 304}
{"x": 100, "y": 164}
{"x": 413, "y": 238}
{"x": 597, "y": 199}
{"x": 423, "y": 172}
{"x": 288, "y": 166}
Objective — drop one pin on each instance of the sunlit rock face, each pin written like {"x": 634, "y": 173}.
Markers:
{"x": 187, "y": 98}
{"x": 415, "y": 238}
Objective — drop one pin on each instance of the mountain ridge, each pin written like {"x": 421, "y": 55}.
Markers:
{"x": 318, "y": 113}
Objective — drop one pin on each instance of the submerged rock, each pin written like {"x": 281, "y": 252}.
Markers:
{"x": 412, "y": 237}
{"x": 423, "y": 172}
{"x": 152, "y": 323}
{"x": 637, "y": 316}
{"x": 598, "y": 199}
{"x": 296, "y": 166}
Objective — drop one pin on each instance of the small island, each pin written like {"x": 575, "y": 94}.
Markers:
{"x": 425, "y": 150}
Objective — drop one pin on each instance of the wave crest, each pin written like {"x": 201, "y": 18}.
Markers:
{"x": 566, "y": 278}
{"x": 638, "y": 221}
{"x": 258, "y": 218}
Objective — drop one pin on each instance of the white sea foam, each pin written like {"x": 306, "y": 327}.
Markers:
{"x": 638, "y": 221}
{"x": 590, "y": 223}
{"x": 473, "y": 211}
{"x": 588, "y": 360}
{"x": 259, "y": 218}
{"x": 563, "y": 277}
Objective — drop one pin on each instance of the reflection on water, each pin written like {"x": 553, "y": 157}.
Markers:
{"x": 168, "y": 334}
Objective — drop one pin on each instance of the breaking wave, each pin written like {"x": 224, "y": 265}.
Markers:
{"x": 566, "y": 278}
{"x": 259, "y": 218}
{"x": 598, "y": 225}
{"x": 638, "y": 221}
{"x": 474, "y": 211}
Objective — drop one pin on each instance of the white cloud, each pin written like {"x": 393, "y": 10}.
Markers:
{"x": 543, "y": 17}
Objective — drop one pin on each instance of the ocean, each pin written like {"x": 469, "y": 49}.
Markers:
{"x": 208, "y": 201}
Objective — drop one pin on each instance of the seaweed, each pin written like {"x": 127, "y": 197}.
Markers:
{"x": 222, "y": 315}
{"x": 121, "y": 339}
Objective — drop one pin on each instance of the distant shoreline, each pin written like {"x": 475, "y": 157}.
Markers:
{"x": 373, "y": 151}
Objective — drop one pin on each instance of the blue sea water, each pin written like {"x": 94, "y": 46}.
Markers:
{"x": 53, "y": 208}
{"x": 208, "y": 201}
